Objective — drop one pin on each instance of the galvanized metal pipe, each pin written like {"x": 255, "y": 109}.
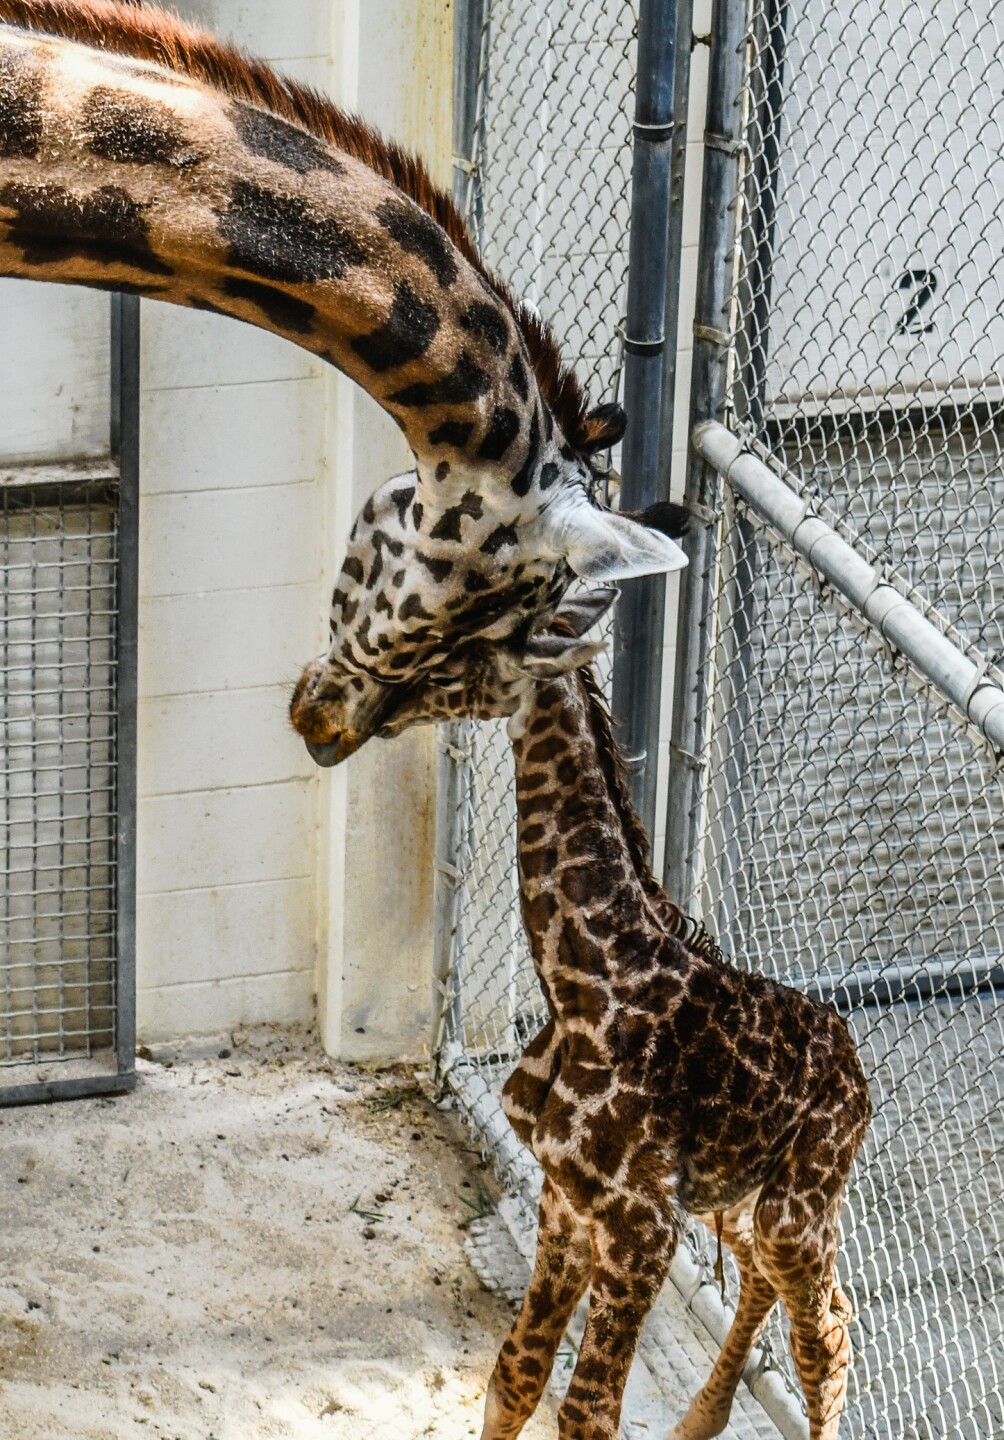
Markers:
{"x": 712, "y": 325}
{"x": 638, "y": 622}
{"x": 949, "y": 669}
{"x": 469, "y": 21}
{"x": 125, "y": 438}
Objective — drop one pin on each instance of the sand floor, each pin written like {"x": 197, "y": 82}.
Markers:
{"x": 258, "y": 1243}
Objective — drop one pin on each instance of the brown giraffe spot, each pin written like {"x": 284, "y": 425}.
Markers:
{"x": 53, "y": 224}
{"x": 488, "y": 323}
{"x": 455, "y": 433}
{"x": 274, "y": 236}
{"x": 405, "y": 335}
{"x": 284, "y": 144}
{"x": 286, "y": 312}
{"x": 465, "y": 382}
{"x": 418, "y": 234}
{"x": 450, "y": 523}
{"x": 517, "y": 377}
{"x": 22, "y": 81}
{"x": 440, "y": 570}
{"x": 135, "y": 130}
{"x": 502, "y": 431}
{"x": 523, "y": 478}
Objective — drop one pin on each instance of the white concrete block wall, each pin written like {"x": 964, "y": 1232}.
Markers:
{"x": 261, "y": 882}
{"x": 231, "y": 603}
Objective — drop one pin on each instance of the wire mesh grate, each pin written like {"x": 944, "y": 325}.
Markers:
{"x": 58, "y": 718}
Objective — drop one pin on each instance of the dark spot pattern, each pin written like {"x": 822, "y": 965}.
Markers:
{"x": 135, "y": 130}
{"x": 499, "y": 538}
{"x": 406, "y": 334}
{"x": 465, "y": 382}
{"x": 284, "y": 144}
{"x": 411, "y": 608}
{"x": 488, "y": 323}
{"x": 452, "y": 432}
{"x": 442, "y": 470}
{"x": 401, "y": 499}
{"x": 548, "y": 474}
{"x": 502, "y": 431}
{"x": 449, "y": 526}
{"x": 22, "y": 82}
{"x": 286, "y": 312}
{"x": 418, "y": 234}
{"x": 523, "y": 479}
{"x": 440, "y": 570}
{"x": 53, "y": 225}
{"x": 517, "y": 377}
{"x": 275, "y": 236}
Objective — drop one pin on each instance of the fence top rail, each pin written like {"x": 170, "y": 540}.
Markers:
{"x": 962, "y": 680}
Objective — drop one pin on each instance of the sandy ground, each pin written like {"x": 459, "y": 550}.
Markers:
{"x": 255, "y": 1243}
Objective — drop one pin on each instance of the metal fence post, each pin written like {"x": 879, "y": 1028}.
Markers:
{"x": 638, "y": 622}
{"x": 125, "y": 438}
{"x": 470, "y": 18}
{"x": 716, "y": 264}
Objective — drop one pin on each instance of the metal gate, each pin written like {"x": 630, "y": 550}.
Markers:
{"x": 69, "y": 532}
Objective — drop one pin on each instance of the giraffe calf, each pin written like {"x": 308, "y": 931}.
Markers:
{"x": 667, "y": 1083}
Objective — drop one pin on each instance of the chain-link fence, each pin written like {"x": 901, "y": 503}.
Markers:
{"x": 845, "y": 834}
{"x": 548, "y": 197}
{"x": 842, "y": 830}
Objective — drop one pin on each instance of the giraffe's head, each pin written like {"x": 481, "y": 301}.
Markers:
{"x": 488, "y": 680}
{"x": 436, "y": 575}
{"x": 491, "y": 676}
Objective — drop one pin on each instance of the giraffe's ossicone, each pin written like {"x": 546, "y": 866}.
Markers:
{"x": 139, "y": 154}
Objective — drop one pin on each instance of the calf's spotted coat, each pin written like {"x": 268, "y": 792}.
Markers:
{"x": 666, "y": 1082}
{"x": 141, "y": 155}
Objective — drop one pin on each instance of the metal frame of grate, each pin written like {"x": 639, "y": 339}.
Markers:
{"x": 68, "y": 689}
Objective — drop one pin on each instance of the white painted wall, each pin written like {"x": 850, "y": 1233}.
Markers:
{"x": 261, "y": 882}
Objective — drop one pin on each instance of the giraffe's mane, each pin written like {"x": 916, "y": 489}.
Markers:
{"x": 693, "y": 934}
{"x": 120, "y": 28}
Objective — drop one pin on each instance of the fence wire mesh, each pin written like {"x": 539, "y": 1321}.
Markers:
{"x": 548, "y": 198}
{"x": 848, "y": 836}
{"x": 57, "y": 782}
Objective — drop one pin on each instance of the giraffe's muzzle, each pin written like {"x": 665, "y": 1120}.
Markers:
{"x": 326, "y": 755}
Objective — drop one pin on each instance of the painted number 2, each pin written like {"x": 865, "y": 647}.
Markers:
{"x": 918, "y": 288}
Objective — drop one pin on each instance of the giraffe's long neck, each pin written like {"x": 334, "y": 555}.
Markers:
{"x": 593, "y": 914}
{"x": 118, "y": 174}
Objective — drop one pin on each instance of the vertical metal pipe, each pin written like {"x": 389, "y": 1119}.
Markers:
{"x": 638, "y": 622}
{"x": 125, "y": 337}
{"x": 712, "y": 325}
{"x": 469, "y": 21}
{"x": 674, "y": 260}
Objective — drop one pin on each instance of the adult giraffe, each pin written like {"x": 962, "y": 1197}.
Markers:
{"x": 142, "y": 155}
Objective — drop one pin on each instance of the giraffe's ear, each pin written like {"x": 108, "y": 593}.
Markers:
{"x": 581, "y": 612}
{"x": 548, "y": 656}
{"x": 603, "y": 546}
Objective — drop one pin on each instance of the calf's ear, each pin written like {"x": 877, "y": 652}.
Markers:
{"x": 548, "y": 656}
{"x": 581, "y": 612}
